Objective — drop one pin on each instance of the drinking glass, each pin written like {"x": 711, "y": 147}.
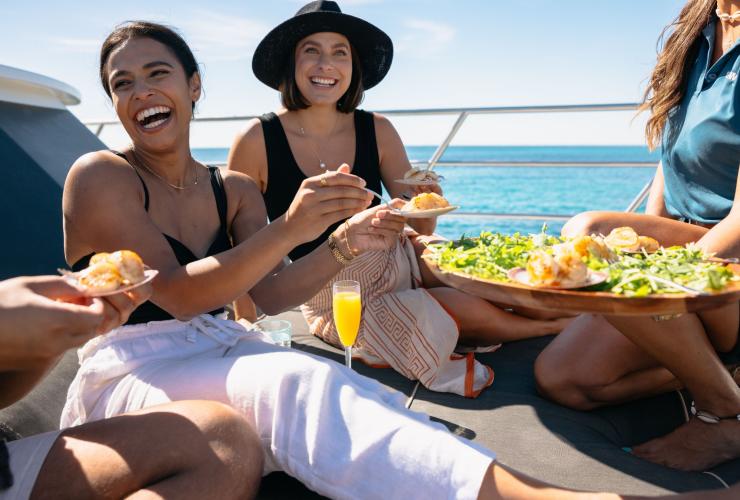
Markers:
{"x": 279, "y": 330}
{"x": 347, "y": 313}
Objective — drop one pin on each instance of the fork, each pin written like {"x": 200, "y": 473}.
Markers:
{"x": 384, "y": 199}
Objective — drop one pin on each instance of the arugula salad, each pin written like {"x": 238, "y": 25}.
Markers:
{"x": 491, "y": 255}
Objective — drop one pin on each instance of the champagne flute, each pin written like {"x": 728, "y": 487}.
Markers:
{"x": 347, "y": 307}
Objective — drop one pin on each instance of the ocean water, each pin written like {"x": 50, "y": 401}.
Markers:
{"x": 518, "y": 190}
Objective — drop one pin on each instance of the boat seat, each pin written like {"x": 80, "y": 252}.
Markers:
{"x": 581, "y": 450}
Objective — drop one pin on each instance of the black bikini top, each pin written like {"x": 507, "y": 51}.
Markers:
{"x": 148, "y": 311}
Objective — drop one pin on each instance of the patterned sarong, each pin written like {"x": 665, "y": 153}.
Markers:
{"x": 403, "y": 326}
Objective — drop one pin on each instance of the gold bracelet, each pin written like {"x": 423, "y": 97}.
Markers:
{"x": 334, "y": 249}
{"x": 346, "y": 238}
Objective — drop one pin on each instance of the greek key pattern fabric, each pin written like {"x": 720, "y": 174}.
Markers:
{"x": 403, "y": 326}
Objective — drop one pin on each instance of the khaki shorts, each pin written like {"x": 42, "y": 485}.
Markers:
{"x": 27, "y": 455}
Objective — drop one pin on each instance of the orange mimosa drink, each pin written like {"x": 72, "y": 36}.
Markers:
{"x": 347, "y": 313}
{"x": 347, "y": 306}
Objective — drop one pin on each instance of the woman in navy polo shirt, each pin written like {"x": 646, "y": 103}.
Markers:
{"x": 695, "y": 116}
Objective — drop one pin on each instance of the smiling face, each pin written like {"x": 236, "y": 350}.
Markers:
{"x": 323, "y": 67}
{"x": 151, "y": 93}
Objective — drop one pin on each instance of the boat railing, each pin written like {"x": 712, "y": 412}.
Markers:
{"x": 462, "y": 115}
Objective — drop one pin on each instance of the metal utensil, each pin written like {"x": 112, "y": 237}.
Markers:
{"x": 384, "y": 199}
{"x": 379, "y": 196}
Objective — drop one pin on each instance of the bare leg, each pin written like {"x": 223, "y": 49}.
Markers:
{"x": 482, "y": 323}
{"x": 685, "y": 349}
{"x": 591, "y": 364}
{"x": 503, "y": 483}
{"x": 186, "y": 449}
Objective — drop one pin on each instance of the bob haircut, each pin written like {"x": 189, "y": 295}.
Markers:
{"x": 144, "y": 29}
{"x": 293, "y": 100}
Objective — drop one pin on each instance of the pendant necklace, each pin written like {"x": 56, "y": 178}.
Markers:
{"x": 315, "y": 147}
{"x": 141, "y": 164}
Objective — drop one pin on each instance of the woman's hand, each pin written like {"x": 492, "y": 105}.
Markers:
{"x": 430, "y": 188}
{"x": 41, "y": 317}
{"x": 377, "y": 228}
{"x": 325, "y": 199}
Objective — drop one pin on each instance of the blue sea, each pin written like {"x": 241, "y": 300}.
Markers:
{"x": 547, "y": 190}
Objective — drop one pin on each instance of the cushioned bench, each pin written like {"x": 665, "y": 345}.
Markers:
{"x": 576, "y": 449}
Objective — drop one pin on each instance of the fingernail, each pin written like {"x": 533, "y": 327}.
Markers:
{"x": 627, "y": 449}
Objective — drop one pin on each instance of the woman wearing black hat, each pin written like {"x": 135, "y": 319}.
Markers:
{"x": 321, "y": 60}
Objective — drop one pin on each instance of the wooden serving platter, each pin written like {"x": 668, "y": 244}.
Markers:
{"x": 573, "y": 301}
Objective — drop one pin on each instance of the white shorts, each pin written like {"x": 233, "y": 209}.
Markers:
{"x": 27, "y": 455}
{"x": 343, "y": 435}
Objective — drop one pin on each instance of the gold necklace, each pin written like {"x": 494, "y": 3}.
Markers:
{"x": 141, "y": 164}
{"x": 316, "y": 152}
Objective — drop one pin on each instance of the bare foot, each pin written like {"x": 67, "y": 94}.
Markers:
{"x": 695, "y": 446}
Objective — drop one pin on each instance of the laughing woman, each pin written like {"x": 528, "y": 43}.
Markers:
{"x": 321, "y": 61}
{"x": 695, "y": 105}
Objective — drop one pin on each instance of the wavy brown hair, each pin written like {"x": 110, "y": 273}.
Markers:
{"x": 668, "y": 82}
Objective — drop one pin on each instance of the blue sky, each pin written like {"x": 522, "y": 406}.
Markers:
{"x": 448, "y": 54}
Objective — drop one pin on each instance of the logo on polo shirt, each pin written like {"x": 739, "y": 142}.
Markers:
{"x": 732, "y": 76}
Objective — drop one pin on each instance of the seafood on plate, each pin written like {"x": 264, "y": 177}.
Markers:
{"x": 425, "y": 201}
{"x": 421, "y": 174}
{"x": 593, "y": 246}
{"x": 626, "y": 239}
{"x": 564, "y": 267}
{"x": 108, "y": 272}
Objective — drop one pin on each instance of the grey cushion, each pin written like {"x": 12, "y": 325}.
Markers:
{"x": 40, "y": 410}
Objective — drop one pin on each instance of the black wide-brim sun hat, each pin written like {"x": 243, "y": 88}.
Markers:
{"x": 373, "y": 46}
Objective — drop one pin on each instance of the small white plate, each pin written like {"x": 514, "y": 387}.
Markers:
{"x": 414, "y": 182}
{"x": 424, "y": 214}
{"x": 149, "y": 275}
{"x": 519, "y": 274}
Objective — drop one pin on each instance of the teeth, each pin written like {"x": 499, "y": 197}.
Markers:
{"x": 155, "y": 123}
{"x": 323, "y": 81}
{"x": 141, "y": 115}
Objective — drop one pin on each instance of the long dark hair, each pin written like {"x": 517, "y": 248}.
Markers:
{"x": 145, "y": 29}
{"x": 668, "y": 81}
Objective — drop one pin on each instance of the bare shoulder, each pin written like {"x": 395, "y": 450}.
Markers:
{"x": 241, "y": 189}
{"x": 239, "y": 183}
{"x": 248, "y": 154}
{"x": 382, "y": 122}
{"x": 251, "y": 135}
{"x": 98, "y": 171}
{"x": 384, "y": 129}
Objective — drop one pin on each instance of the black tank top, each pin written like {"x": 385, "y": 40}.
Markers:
{"x": 148, "y": 311}
{"x": 284, "y": 177}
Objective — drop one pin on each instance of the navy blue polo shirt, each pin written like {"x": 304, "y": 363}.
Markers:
{"x": 701, "y": 140}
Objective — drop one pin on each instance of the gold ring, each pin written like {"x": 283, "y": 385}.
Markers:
{"x": 323, "y": 182}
